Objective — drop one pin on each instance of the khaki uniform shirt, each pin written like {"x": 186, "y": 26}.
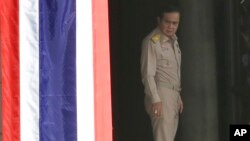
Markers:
{"x": 160, "y": 62}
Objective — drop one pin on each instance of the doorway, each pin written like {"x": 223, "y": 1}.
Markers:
{"x": 129, "y": 23}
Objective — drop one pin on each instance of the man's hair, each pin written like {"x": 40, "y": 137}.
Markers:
{"x": 169, "y": 8}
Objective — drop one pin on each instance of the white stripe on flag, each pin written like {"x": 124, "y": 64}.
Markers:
{"x": 84, "y": 73}
{"x": 29, "y": 69}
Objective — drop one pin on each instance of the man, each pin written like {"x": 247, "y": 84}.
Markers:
{"x": 160, "y": 70}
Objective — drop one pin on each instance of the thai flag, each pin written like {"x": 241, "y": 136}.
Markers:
{"x": 55, "y": 70}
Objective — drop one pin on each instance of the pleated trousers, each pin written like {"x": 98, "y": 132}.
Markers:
{"x": 165, "y": 127}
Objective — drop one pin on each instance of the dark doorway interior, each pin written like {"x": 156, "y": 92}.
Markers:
{"x": 130, "y": 21}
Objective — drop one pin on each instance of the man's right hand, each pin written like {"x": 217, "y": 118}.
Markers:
{"x": 157, "y": 109}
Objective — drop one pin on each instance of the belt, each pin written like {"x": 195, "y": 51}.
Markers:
{"x": 170, "y": 86}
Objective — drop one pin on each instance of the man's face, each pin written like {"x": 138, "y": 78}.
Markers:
{"x": 169, "y": 23}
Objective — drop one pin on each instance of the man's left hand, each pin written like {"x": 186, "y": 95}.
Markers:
{"x": 180, "y": 106}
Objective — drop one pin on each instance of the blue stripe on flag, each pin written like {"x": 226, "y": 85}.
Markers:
{"x": 57, "y": 70}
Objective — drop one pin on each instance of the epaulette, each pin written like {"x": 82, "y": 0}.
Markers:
{"x": 156, "y": 38}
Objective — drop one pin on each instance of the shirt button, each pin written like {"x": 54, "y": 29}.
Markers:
{"x": 167, "y": 63}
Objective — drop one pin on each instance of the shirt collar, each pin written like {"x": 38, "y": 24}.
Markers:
{"x": 164, "y": 38}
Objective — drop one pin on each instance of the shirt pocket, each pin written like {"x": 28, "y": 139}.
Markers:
{"x": 164, "y": 61}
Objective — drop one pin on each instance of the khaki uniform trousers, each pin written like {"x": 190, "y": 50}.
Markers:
{"x": 165, "y": 127}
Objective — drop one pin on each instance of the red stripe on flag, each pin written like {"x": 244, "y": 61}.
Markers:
{"x": 9, "y": 27}
{"x": 102, "y": 88}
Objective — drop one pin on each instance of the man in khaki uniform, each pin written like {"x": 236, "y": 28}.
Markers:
{"x": 160, "y": 69}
